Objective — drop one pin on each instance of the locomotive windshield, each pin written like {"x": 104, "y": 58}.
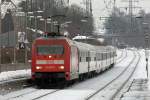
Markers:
{"x": 50, "y": 49}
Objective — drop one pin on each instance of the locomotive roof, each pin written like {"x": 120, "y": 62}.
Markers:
{"x": 81, "y": 45}
{"x": 93, "y": 47}
{"x": 56, "y": 38}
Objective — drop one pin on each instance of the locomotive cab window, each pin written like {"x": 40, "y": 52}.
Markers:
{"x": 50, "y": 49}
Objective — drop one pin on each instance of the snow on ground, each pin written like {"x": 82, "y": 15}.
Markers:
{"x": 107, "y": 93}
{"x": 10, "y": 75}
{"x": 83, "y": 89}
{"x": 141, "y": 72}
{"x": 136, "y": 88}
{"x": 119, "y": 53}
{"x": 105, "y": 77}
{"x": 6, "y": 76}
{"x": 149, "y": 70}
{"x": 68, "y": 95}
{"x": 21, "y": 92}
{"x": 80, "y": 90}
{"x": 141, "y": 69}
{"x": 77, "y": 91}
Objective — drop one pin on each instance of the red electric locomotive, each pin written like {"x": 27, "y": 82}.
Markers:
{"x": 54, "y": 58}
{"x": 57, "y": 58}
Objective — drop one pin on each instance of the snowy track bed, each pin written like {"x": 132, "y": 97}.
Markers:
{"x": 30, "y": 94}
{"x": 137, "y": 88}
{"x": 121, "y": 56}
{"x": 111, "y": 90}
{"x": 120, "y": 53}
{"x": 13, "y": 80}
{"x": 78, "y": 91}
{"x": 85, "y": 89}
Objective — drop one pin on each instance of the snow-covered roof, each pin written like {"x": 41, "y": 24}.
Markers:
{"x": 80, "y": 37}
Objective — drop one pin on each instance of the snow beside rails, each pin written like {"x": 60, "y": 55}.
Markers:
{"x": 77, "y": 91}
{"x": 141, "y": 69}
{"x": 10, "y": 75}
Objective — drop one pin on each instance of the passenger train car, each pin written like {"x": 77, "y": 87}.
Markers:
{"x": 58, "y": 58}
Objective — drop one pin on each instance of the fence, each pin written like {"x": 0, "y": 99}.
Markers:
{"x": 13, "y": 67}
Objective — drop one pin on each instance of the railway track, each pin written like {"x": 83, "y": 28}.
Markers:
{"x": 40, "y": 93}
{"x": 61, "y": 91}
{"x": 128, "y": 85}
{"x": 21, "y": 94}
{"x": 120, "y": 59}
{"x": 50, "y": 92}
{"x": 45, "y": 94}
{"x": 91, "y": 97}
{"x": 134, "y": 69}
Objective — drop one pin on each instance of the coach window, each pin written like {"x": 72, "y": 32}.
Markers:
{"x": 100, "y": 56}
{"x": 80, "y": 59}
{"x": 105, "y": 56}
{"x": 86, "y": 59}
{"x": 108, "y": 55}
{"x": 81, "y": 55}
{"x": 94, "y": 58}
{"x": 112, "y": 54}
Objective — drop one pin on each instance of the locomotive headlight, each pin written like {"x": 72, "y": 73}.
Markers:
{"x": 38, "y": 67}
{"x": 50, "y": 56}
{"x": 61, "y": 67}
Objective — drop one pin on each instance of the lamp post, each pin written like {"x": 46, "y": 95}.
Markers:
{"x": 0, "y": 35}
{"x": 146, "y": 34}
{"x": 83, "y": 21}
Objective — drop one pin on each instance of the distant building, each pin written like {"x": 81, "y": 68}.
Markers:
{"x": 7, "y": 37}
{"x": 7, "y": 22}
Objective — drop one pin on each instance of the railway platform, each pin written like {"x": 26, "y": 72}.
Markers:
{"x": 138, "y": 90}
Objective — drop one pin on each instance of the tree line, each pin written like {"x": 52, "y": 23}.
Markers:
{"x": 128, "y": 30}
{"x": 52, "y": 8}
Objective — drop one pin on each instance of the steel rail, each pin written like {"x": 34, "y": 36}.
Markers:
{"x": 105, "y": 86}
{"x": 128, "y": 77}
{"x": 45, "y": 94}
{"x": 120, "y": 60}
{"x": 22, "y": 94}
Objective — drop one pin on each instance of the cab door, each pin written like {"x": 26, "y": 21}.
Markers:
{"x": 74, "y": 63}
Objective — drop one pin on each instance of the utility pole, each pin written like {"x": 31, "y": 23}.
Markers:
{"x": 114, "y": 16}
{"x": 131, "y": 15}
{"x": 147, "y": 36}
{"x": 88, "y": 6}
{"x": 131, "y": 7}
{"x": 113, "y": 8}
{"x": 26, "y": 36}
{"x": 0, "y": 35}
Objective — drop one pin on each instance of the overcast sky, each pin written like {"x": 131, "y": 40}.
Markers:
{"x": 100, "y": 9}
